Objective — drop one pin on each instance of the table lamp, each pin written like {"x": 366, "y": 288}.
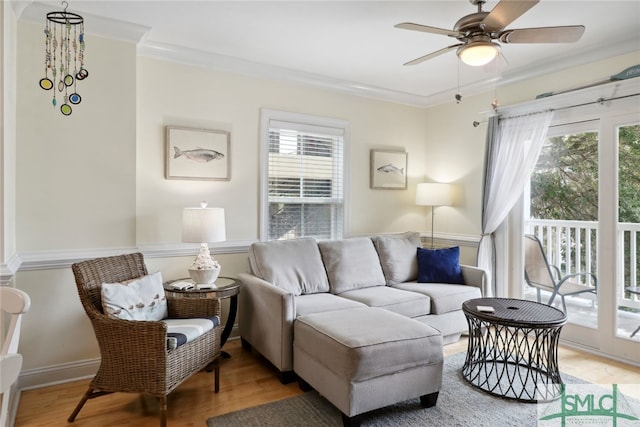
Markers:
{"x": 433, "y": 194}
{"x": 203, "y": 225}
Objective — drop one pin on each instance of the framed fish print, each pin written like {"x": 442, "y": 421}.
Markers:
{"x": 388, "y": 170}
{"x": 197, "y": 154}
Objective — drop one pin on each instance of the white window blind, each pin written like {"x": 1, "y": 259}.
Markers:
{"x": 305, "y": 180}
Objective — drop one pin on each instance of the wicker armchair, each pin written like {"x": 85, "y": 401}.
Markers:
{"x": 134, "y": 355}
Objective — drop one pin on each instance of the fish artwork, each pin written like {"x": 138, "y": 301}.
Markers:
{"x": 201, "y": 155}
{"x": 389, "y": 168}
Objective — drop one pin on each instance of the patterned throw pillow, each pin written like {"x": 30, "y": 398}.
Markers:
{"x": 140, "y": 299}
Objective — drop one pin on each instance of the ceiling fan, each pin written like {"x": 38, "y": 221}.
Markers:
{"x": 476, "y": 32}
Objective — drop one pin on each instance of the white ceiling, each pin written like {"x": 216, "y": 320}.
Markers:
{"x": 350, "y": 46}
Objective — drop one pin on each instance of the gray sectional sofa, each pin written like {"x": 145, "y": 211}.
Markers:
{"x": 299, "y": 277}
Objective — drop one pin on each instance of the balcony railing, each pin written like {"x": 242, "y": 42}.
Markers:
{"x": 572, "y": 247}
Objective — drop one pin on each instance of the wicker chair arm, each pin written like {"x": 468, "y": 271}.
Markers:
{"x": 131, "y": 346}
{"x": 184, "y": 306}
{"x": 130, "y": 329}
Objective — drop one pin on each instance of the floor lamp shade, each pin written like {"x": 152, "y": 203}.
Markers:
{"x": 433, "y": 194}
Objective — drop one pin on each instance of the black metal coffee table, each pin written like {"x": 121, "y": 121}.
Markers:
{"x": 513, "y": 351}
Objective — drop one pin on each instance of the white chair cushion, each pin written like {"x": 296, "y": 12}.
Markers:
{"x": 140, "y": 299}
{"x": 182, "y": 331}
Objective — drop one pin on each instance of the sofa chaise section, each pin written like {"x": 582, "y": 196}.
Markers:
{"x": 302, "y": 277}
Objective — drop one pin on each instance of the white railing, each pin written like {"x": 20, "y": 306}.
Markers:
{"x": 628, "y": 234}
{"x": 572, "y": 247}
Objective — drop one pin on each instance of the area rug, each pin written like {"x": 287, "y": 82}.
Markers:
{"x": 459, "y": 404}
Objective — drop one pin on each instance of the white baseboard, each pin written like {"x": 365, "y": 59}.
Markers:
{"x": 58, "y": 374}
{"x": 68, "y": 372}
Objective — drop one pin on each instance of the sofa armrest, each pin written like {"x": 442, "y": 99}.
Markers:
{"x": 474, "y": 276}
{"x": 266, "y": 316}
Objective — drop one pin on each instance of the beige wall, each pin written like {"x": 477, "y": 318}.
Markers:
{"x": 76, "y": 175}
{"x": 8, "y": 48}
{"x": 94, "y": 182}
{"x": 175, "y": 94}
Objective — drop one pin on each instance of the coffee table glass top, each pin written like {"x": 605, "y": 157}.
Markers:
{"x": 516, "y": 312}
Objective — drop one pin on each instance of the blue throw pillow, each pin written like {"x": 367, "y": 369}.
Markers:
{"x": 439, "y": 265}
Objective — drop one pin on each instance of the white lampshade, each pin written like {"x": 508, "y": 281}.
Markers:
{"x": 478, "y": 53}
{"x": 203, "y": 225}
{"x": 433, "y": 194}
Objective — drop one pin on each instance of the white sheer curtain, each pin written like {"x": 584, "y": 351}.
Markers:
{"x": 513, "y": 147}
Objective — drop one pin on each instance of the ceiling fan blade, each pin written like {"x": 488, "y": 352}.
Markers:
{"x": 566, "y": 34}
{"x": 432, "y": 54}
{"x": 426, "y": 29}
{"x": 506, "y": 12}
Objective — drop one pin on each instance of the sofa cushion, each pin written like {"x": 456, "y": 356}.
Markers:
{"x": 439, "y": 265}
{"x": 408, "y": 304}
{"x": 398, "y": 258}
{"x": 351, "y": 264}
{"x": 294, "y": 265}
{"x": 444, "y": 297}
{"x": 138, "y": 299}
{"x": 321, "y": 302}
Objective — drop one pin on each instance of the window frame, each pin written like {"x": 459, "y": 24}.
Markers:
{"x": 266, "y": 117}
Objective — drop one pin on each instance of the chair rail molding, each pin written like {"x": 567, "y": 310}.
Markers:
{"x": 47, "y": 260}
{"x": 471, "y": 241}
{"x": 8, "y": 270}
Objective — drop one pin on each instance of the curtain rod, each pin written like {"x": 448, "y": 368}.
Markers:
{"x": 597, "y": 101}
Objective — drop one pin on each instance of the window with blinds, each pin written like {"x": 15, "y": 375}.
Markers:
{"x": 304, "y": 179}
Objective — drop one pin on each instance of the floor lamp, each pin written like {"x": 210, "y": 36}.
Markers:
{"x": 433, "y": 194}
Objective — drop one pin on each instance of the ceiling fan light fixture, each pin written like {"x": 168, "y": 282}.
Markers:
{"x": 478, "y": 53}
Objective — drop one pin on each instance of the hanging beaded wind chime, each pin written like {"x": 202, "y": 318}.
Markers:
{"x": 64, "y": 57}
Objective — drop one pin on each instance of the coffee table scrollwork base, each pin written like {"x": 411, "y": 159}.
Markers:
{"x": 512, "y": 357}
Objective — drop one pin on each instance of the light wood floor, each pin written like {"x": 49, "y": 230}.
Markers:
{"x": 246, "y": 380}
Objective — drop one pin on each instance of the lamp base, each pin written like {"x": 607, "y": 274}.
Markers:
{"x": 204, "y": 269}
{"x": 204, "y": 276}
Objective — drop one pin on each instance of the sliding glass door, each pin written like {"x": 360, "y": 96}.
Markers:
{"x": 627, "y": 239}
{"x": 563, "y": 214}
{"x": 583, "y": 204}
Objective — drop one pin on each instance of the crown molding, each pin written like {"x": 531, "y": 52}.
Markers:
{"x": 138, "y": 34}
{"x": 230, "y": 64}
{"x": 553, "y": 64}
{"x": 100, "y": 26}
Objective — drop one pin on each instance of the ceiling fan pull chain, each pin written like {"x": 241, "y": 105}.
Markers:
{"x": 458, "y": 93}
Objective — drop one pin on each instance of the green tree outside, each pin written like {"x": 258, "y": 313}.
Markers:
{"x": 564, "y": 185}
